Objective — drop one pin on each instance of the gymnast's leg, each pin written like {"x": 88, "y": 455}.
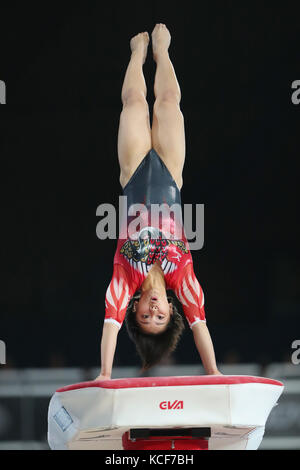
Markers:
{"x": 134, "y": 138}
{"x": 168, "y": 134}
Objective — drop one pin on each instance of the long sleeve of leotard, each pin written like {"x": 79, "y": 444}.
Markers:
{"x": 190, "y": 294}
{"x": 118, "y": 294}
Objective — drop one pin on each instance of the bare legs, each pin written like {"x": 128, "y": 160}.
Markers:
{"x": 134, "y": 140}
{"x": 167, "y": 135}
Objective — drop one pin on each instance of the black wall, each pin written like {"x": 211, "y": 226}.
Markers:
{"x": 63, "y": 68}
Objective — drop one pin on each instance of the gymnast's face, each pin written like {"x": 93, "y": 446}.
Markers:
{"x": 153, "y": 312}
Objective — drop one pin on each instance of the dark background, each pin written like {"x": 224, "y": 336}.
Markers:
{"x": 63, "y": 67}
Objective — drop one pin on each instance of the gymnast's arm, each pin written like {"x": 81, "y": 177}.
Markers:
{"x": 191, "y": 296}
{"x": 117, "y": 298}
{"x": 108, "y": 348}
{"x": 205, "y": 348}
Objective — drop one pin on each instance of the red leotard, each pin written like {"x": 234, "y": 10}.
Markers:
{"x": 165, "y": 242}
{"x": 132, "y": 261}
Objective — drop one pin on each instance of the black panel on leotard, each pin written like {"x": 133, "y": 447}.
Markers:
{"x": 152, "y": 183}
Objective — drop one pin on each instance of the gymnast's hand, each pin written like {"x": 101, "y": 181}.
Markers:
{"x": 216, "y": 372}
{"x": 103, "y": 377}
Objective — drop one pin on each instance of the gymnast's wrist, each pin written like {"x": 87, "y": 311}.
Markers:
{"x": 105, "y": 373}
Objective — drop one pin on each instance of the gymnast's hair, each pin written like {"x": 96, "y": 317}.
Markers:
{"x": 151, "y": 347}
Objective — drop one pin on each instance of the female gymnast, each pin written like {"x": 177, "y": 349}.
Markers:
{"x": 145, "y": 267}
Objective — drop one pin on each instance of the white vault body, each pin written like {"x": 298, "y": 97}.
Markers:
{"x": 95, "y": 415}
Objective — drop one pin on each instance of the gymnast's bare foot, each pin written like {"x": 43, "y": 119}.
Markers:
{"x": 161, "y": 39}
{"x": 139, "y": 44}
